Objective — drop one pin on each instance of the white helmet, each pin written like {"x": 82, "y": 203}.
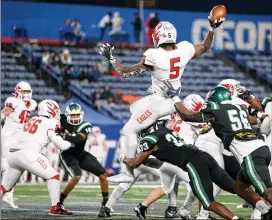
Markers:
{"x": 23, "y": 91}
{"x": 96, "y": 130}
{"x": 233, "y": 85}
{"x": 193, "y": 102}
{"x": 74, "y": 113}
{"x": 49, "y": 108}
{"x": 164, "y": 32}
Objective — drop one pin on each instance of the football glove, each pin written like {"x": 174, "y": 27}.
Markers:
{"x": 215, "y": 24}
{"x": 121, "y": 159}
{"x": 169, "y": 91}
{"x": 245, "y": 93}
{"x": 107, "y": 52}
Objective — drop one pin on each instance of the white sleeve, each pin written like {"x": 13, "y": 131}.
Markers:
{"x": 58, "y": 141}
{"x": 149, "y": 58}
{"x": 187, "y": 49}
{"x": 11, "y": 102}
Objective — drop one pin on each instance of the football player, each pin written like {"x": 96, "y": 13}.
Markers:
{"x": 16, "y": 113}
{"x": 25, "y": 153}
{"x": 98, "y": 145}
{"x": 75, "y": 130}
{"x": 166, "y": 145}
{"x": 167, "y": 61}
{"x": 231, "y": 124}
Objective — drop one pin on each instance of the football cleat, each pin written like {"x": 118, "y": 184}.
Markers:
{"x": 8, "y": 198}
{"x": 104, "y": 212}
{"x": 243, "y": 206}
{"x": 204, "y": 214}
{"x": 183, "y": 213}
{"x": 121, "y": 178}
{"x": 268, "y": 215}
{"x": 59, "y": 210}
{"x": 141, "y": 211}
{"x": 171, "y": 212}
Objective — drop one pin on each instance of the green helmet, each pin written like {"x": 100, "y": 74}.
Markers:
{"x": 218, "y": 94}
{"x": 74, "y": 114}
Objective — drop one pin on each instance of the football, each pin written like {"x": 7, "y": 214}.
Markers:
{"x": 218, "y": 12}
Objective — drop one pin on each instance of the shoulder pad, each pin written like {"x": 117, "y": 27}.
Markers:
{"x": 205, "y": 129}
{"x": 150, "y": 138}
{"x": 209, "y": 105}
{"x": 187, "y": 48}
{"x": 149, "y": 58}
{"x": 12, "y": 102}
{"x": 265, "y": 101}
{"x": 83, "y": 126}
{"x": 33, "y": 105}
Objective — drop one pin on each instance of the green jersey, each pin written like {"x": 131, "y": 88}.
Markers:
{"x": 231, "y": 120}
{"x": 84, "y": 127}
{"x": 168, "y": 147}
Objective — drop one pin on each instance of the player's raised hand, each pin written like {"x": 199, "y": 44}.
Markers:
{"x": 169, "y": 90}
{"x": 215, "y": 24}
{"x": 107, "y": 51}
{"x": 217, "y": 16}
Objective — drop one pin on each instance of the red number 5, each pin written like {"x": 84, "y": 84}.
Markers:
{"x": 32, "y": 126}
{"x": 174, "y": 68}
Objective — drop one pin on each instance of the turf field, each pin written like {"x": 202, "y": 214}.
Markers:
{"x": 85, "y": 201}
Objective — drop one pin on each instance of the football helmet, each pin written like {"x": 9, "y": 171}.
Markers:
{"x": 23, "y": 91}
{"x": 96, "y": 130}
{"x": 193, "y": 102}
{"x": 218, "y": 94}
{"x": 74, "y": 114}
{"x": 49, "y": 108}
{"x": 154, "y": 127}
{"x": 233, "y": 85}
{"x": 164, "y": 32}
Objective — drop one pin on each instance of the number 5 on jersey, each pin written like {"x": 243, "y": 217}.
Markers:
{"x": 174, "y": 68}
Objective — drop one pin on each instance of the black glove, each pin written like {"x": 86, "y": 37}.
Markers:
{"x": 215, "y": 24}
{"x": 107, "y": 51}
{"x": 246, "y": 93}
{"x": 252, "y": 111}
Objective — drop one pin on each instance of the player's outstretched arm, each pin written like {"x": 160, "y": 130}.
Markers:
{"x": 206, "y": 44}
{"x": 58, "y": 141}
{"x": 107, "y": 52}
{"x": 138, "y": 160}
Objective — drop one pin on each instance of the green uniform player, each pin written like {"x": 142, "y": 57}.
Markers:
{"x": 231, "y": 123}
{"x": 166, "y": 145}
{"x": 75, "y": 130}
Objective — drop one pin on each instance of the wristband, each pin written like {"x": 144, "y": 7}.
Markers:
{"x": 176, "y": 99}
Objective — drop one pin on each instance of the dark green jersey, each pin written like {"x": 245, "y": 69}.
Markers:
{"x": 84, "y": 127}
{"x": 231, "y": 120}
{"x": 169, "y": 147}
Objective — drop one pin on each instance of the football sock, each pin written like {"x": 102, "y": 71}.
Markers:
{"x": 172, "y": 196}
{"x": 190, "y": 199}
{"x": 262, "y": 207}
{"x": 53, "y": 186}
{"x": 62, "y": 197}
{"x": 105, "y": 198}
{"x": 115, "y": 195}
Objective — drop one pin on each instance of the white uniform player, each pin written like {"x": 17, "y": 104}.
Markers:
{"x": 25, "y": 153}
{"x": 167, "y": 62}
{"x": 16, "y": 112}
{"x": 98, "y": 145}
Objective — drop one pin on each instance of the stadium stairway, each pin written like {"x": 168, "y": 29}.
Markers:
{"x": 13, "y": 71}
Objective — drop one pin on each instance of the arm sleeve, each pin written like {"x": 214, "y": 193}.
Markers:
{"x": 187, "y": 49}
{"x": 198, "y": 117}
{"x": 58, "y": 141}
{"x": 149, "y": 59}
{"x": 11, "y": 102}
{"x": 148, "y": 143}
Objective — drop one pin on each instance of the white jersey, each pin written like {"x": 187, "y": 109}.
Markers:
{"x": 186, "y": 131}
{"x": 16, "y": 119}
{"x": 168, "y": 65}
{"x": 34, "y": 136}
{"x": 97, "y": 142}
